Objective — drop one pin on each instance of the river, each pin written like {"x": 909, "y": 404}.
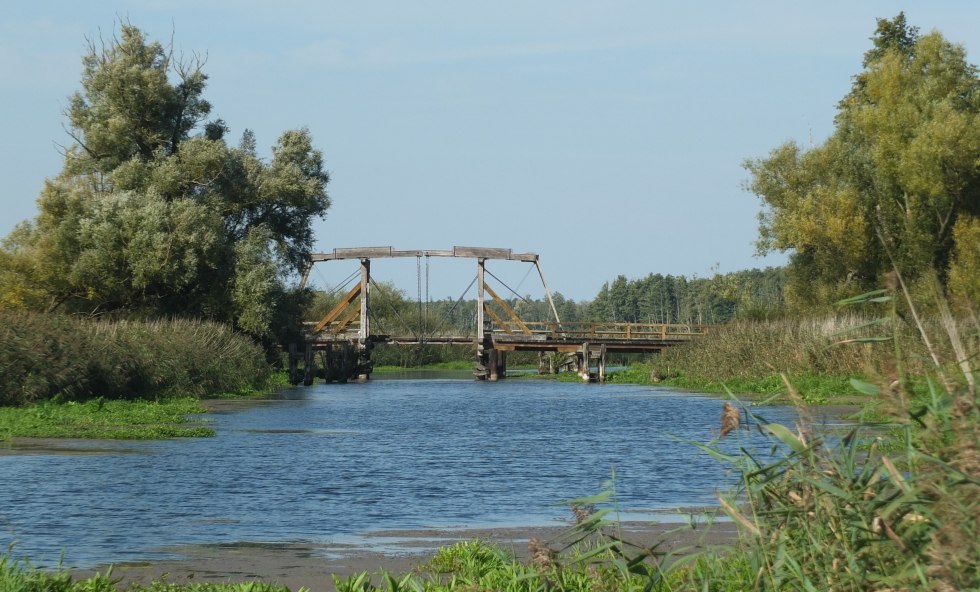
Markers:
{"x": 326, "y": 462}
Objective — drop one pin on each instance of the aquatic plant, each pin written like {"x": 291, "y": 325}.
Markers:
{"x": 101, "y": 419}
{"x": 845, "y": 517}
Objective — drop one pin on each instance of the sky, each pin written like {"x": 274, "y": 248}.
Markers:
{"x": 607, "y": 137}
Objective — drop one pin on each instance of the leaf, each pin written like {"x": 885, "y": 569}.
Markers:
{"x": 739, "y": 517}
{"x": 788, "y": 437}
{"x": 879, "y": 339}
{"x": 828, "y": 487}
{"x": 865, "y": 387}
{"x": 873, "y": 296}
{"x": 593, "y": 552}
{"x": 715, "y": 454}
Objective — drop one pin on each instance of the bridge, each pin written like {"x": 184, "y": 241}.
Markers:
{"x": 341, "y": 342}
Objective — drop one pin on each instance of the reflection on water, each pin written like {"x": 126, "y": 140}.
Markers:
{"x": 330, "y": 461}
{"x": 422, "y": 374}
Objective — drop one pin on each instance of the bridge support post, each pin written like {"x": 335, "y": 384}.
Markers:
{"x": 497, "y": 367}
{"x": 294, "y": 377}
{"x": 602, "y": 363}
{"x": 309, "y": 370}
{"x": 485, "y": 367}
{"x": 584, "y": 363}
{"x": 492, "y": 365}
{"x": 364, "y": 345}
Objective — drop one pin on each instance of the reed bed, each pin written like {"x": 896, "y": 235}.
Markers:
{"x": 55, "y": 357}
{"x": 833, "y": 346}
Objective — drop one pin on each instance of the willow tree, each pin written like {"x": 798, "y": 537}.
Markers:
{"x": 893, "y": 183}
{"x": 154, "y": 213}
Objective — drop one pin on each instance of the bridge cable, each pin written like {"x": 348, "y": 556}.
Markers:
{"x": 343, "y": 284}
{"x": 428, "y": 299}
{"x": 519, "y": 297}
{"x": 527, "y": 273}
{"x": 418, "y": 277}
{"x": 461, "y": 296}
{"x": 393, "y": 309}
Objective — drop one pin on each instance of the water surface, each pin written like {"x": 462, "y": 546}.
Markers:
{"x": 329, "y": 461}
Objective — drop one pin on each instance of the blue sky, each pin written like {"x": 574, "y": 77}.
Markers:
{"x": 607, "y": 137}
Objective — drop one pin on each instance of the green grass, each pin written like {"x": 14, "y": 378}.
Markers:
{"x": 100, "y": 419}
{"x": 814, "y": 389}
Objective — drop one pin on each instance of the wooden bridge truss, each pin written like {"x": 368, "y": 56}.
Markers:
{"x": 343, "y": 339}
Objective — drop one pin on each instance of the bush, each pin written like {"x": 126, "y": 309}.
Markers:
{"x": 57, "y": 357}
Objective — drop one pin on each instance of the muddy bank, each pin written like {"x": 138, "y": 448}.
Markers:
{"x": 312, "y": 565}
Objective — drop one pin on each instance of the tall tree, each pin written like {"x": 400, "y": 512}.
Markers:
{"x": 153, "y": 212}
{"x": 889, "y": 186}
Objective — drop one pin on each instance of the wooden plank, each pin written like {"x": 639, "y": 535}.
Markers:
{"x": 362, "y": 253}
{"x": 496, "y": 319}
{"x": 347, "y": 319}
{"x": 389, "y": 252}
{"x": 481, "y": 253}
{"x": 507, "y": 309}
{"x": 336, "y": 310}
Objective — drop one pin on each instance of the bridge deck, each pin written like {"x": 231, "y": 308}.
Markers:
{"x": 565, "y": 337}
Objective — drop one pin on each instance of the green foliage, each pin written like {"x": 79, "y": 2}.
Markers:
{"x": 473, "y": 558}
{"x": 105, "y": 420}
{"x": 891, "y": 184}
{"x": 154, "y": 214}
{"x": 477, "y": 565}
{"x": 65, "y": 358}
{"x": 964, "y": 281}
{"x": 255, "y": 292}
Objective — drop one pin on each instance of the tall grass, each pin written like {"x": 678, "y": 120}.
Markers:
{"x": 756, "y": 349}
{"x": 845, "y": 518}
{"x": 44, "y": 357}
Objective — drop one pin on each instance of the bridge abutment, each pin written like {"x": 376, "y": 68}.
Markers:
{"x": 338, "y": 361}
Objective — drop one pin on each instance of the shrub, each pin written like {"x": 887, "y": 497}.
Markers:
{"x": 66, "y": 358}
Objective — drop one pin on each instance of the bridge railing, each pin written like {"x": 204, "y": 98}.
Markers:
{"x": 333, "y": 328}
{"x": 586, "y": 331}
{"x": 576, "y": 331}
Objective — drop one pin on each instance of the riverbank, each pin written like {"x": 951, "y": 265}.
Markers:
{"x": 397, "y": 552}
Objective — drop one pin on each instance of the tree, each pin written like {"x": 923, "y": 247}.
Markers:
{"x": 154, "y": 213}
{"x": 893, "y": 180}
